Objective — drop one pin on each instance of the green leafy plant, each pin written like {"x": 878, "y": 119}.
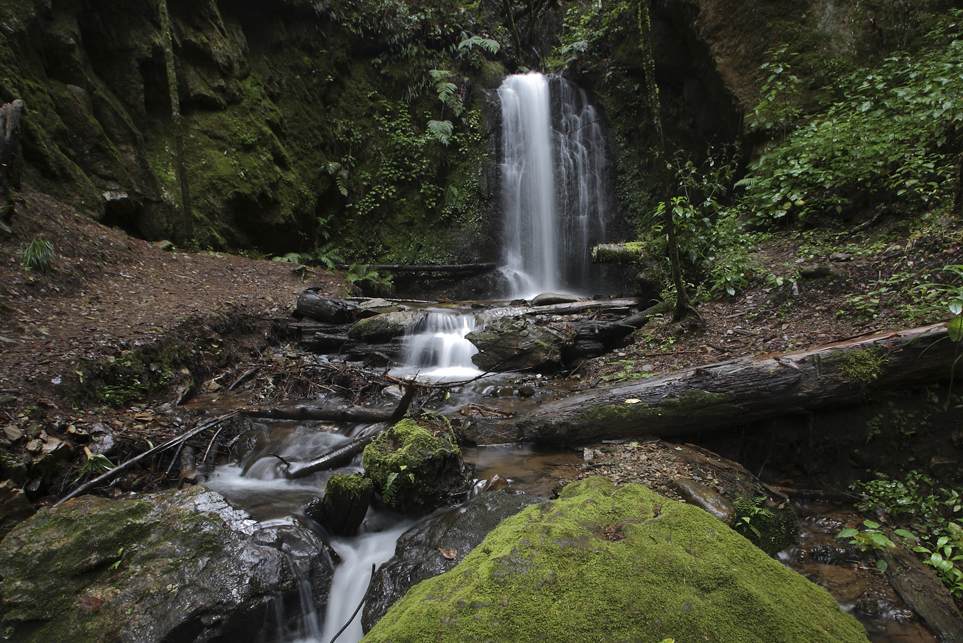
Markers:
{"x": 470, "y": 43}
{"x": 750, "y": 515}
{"x": 441, "y": 131}
{"x": 869, "y": 538}
{"x": 38, "y": 255}
{"x": 446, "y": 90}
{"x": 886, "y": 142}
{"x": 94, "y": 464}
{"x": 778, "y": 108}
{"x": 366, "y": 276}
{"x": 946, "y": 557}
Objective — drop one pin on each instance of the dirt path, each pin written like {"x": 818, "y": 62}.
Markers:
{"x": 108, "y": 292}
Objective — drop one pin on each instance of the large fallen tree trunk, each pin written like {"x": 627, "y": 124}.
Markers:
{"x": 747, "y": 389}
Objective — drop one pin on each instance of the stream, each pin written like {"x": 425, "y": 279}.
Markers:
{"x": 554, "y": 187}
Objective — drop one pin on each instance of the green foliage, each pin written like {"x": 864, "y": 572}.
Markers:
{"x": 887, "y": 141}
{"x": 868, "y": 538}
{"x": 327, "y": 255}
{"x": 778, "y": 108}
{"x": 94, "y": 464}
{"x": 370, "y": 279}
{"x": 946, "y": 557}
{"x": 441, "y": 131}
{"x": 447, "y": 91}
{"x": 861, "y": 366}
{"x": 931, "y": 517}
{"x": 952, "y": 296}
{"x": 38, "y": 255}
{"x": 772, "y": 529}
{"x": 478, "y": 42}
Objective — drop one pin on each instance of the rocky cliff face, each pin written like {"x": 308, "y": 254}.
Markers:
{"x": 291, "y": 111}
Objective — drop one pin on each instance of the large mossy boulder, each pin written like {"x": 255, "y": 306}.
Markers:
{"x": 521, "y": 343}
{"x": 436, "y": 544}
{"x": 610, "y": 563}
{"x": 174, "y": 566}
{"x": 414, "y": 470}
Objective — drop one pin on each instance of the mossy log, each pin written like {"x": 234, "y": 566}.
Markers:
{"x": 743, "y": 390}
{"x": 620, "y": 253}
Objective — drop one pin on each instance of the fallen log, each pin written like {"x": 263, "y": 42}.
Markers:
{"x": 448, "y": 269}
{"x": 748, "y": 389}
{"x": 631, "y": 252}
{"x": 344, "y": 454}
{"x": 305, "y": 411}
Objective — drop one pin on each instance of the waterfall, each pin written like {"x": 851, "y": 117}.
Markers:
{"x": 554, "y": 184}
{"x": 437, "y": 348}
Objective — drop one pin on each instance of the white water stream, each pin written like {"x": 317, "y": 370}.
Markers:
{"x": 438, "y": 349}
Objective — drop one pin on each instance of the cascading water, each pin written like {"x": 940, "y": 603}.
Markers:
{"x": 554, "y": 184}
{"x": 437, "y": 348}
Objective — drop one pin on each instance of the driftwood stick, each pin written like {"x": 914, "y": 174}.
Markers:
{"x": 179, "y": 440}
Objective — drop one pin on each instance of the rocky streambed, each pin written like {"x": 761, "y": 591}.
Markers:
{"x": 409, "y": 531}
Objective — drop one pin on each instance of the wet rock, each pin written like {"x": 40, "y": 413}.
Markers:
{"x": 14, "y": 507}
{"x": 550, "y": 298}
{"x": 526, "y": 390}
{"x": 344, "y": 505}
{"x": 386, "y": 326}
{"x": 181, "y": 566}
{"x": 101, "y": 440}
{"x": 708, "y": 499}
{"x": 325, "y": 309}
{"x": 435, "y": 545}
{"x": 413, "y": 470}
{"x": 606, "y": 562}
{"x": 520, "y": 343}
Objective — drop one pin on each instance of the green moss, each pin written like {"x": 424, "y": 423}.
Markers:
{"x": 346, "y": 486}
{"x": 863, "y": 366}
{"x": 618, "y": 564}
{"x": 412, "y": 469}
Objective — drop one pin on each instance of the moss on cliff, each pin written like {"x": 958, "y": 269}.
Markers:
{"x": 616, "y": 563}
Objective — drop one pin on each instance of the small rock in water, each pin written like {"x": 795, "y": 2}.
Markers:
{"x": 393, "y": 391}
{"x": 344, "y": 505}
{"x": 526, "y": 390}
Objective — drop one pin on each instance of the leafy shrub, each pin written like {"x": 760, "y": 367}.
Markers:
{"x": 888, "y": 141}
{"x": 38, "y": 255}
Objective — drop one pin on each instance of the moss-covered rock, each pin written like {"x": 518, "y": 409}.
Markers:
{"x": 521, "y": 343}
{"x": 620, "y": 564}
{"x": 344, "y": 505}
{"x": 413, "y": 469}
{"x": 385, "y": 326}
{"x": 170, "y": 566}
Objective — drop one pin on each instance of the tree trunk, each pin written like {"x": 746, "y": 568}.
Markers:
{"x": 744, "y": 390}
{"x": 958, "y": 197}
{"x": 11, "y": 116}
{"x": 683, "y": 306}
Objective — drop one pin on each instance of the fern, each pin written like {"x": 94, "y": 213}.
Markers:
{"x": 441, "y": 131}
{"x": 447, "y": 91}
{"x": 38, "y": 255}
{"x": 486, "y": 44}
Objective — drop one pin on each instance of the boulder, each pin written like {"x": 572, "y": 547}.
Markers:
{"x": 386, "y": 326}
{"x": 616, "y": 563}
{"x": 436, "y": 544}
{"x": 177, "y": 565}
{"x": 521, "y": 343}
{"x": 413, "y": 470}
{"x": 344, "y": 505}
